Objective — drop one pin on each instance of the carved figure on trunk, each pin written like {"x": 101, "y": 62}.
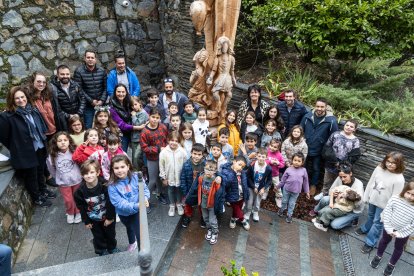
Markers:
{"x": 222, "y": 75}
{"x": 198, "y": 92}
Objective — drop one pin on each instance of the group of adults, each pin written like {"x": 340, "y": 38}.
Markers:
{"x": 327, "y": 144}
{"x": 35, "y": 111}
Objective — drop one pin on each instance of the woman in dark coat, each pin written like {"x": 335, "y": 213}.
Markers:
{"x": 255, "y": 103}
{"x": 23, "y": 133}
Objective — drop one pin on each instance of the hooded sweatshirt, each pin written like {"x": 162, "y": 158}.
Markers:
{"x": 171, "y": 164}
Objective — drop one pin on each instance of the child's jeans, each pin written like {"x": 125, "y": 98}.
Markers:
{"x": 237, "y": 209}
{"x": 373, "y": 226}
{"x": 137, "y": 156}
{"x": 103, "y": 236}
{"x": 67, "y": 194}
{"x": 398, "y": 246}
{"x": 132, "y": 226}
{"x": 254, "y": 202}
{"x": 289, "y": 201}
{"x": 5, "y": 259}
{"x": 153, "y": 174}
{"x": 276, "y": 181}
{"x": 328, "y": 214}
{"x": 210, "y": 218}
{"x": 174, "y": 195}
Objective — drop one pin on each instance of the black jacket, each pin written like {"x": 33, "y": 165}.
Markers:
{"x": 292, "y": 118}
{"x": 15, "y": 136}
{"x": 66, "y": 105}
{"x": 93, "y": 83}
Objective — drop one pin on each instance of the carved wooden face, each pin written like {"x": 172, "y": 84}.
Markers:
{"x": 225, "y": 47}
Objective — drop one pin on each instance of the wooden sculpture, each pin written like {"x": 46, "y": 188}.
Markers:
{"x": 218, "y": 20}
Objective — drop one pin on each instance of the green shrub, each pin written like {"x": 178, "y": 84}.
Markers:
{"x": 236, "y": 272}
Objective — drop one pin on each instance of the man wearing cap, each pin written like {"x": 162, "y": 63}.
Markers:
{"x": 170, "y": 95}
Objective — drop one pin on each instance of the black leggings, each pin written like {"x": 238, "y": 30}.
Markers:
{"x": 33, "y": 178}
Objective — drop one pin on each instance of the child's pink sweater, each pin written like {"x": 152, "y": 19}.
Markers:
{"x": 275, "y": 156}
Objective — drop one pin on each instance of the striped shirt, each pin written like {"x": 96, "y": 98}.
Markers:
{"x": 399, "y": 216}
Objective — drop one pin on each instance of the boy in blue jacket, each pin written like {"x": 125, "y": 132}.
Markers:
{"x": 259, "y": 180}
{"x": 237, "y": 192}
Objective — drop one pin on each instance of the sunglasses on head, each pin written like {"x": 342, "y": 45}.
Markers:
{"x": 168, "y": 80}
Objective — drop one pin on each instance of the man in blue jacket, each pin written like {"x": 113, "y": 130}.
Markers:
{"x": 122, "y": 74}
{"x": 291, "y": 110}
{"x": 318, "y": 126}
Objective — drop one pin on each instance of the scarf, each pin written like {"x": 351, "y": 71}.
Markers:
{"x": 124, "y": 111}
{"x": 38, "y": 129}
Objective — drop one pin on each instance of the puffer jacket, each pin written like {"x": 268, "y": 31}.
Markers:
{"x": 230, "y": 183}
{"x": 74, "y": 103}
{"x": 292, "y": 118}
{"x": 187, "y": 176}
{"x": 264, "y": 182}
{"x": 317, "y": 135}
{"x": 92, "y": 82}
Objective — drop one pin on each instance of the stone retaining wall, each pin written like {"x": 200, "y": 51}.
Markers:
{"x": 38, "y": 35}
{"x": 15, "y": 211}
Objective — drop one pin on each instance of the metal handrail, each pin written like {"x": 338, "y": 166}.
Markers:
{"x": 144, "y": 255}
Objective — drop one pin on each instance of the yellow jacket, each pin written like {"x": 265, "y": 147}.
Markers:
{"x": 234, "y": 138}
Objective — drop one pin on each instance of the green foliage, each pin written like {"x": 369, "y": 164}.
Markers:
{"x": 386, "y": 103}
{"x": 236, "y": 272}
{"x": 343, "y": 29}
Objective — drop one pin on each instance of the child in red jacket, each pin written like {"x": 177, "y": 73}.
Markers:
{"x": 88, "y": 147}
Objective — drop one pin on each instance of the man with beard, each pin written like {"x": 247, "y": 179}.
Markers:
{"x": 68, "y": 97}
{"x": 122, "y": 74}
{"x": 291, "y": 110}
{"x": 172, "y": 96}
{"x": 318, "y": 126}
{"x": 92, "y": 80}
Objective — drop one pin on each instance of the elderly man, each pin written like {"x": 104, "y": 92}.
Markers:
{"x": 291, "y": 110}
{"x": 318, "y": 125}
{"x": 92, "y": 80}
{"x": 122, "y": 74}
{"x": 68, "y": 96}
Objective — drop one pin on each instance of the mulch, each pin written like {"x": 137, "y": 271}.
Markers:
{"x": 303, "y": 205}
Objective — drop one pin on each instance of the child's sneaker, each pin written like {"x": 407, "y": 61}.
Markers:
{"x": 208, "y": 235}
{"x": 232, "y": 223}
{"x": 256, "y": 216}
{"x": 313, "y": 213}
{"x": 117, "y": 219}
{"x": 280, "y": 213}
{"x": 278, "y": 201}
{"x": 389, "y": 269}
{"x": 78, "y": 218}
{"x": 132, "y": 247}
{"x": 113, "y": 251}
{"x": 213, "y": 239}
{"x": 70, "y": 219}
{"x": 318, "y": 197}
{"x": 202, "y": 223}
{"x": 180, "y": 209}
{"x": 171, "y": 212}
{"x": 186, "y": 222}
{"x": 375, "y": 262}
{"x": 320, "y": 226}
{"x": 289, "y": 219}
{"x": 246, "y": 225}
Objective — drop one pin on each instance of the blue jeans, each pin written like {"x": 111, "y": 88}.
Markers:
{"x": 338, "y": 223}
{"x": 126, "y": 138}
{"x": 373, "y": 226}
{"x": 313, "y": 165}
{"x": 132, "y": 226}
{"x": 289, "y": 201}
{"x": 88, "y": 115}
{"x": 5, "y": 259}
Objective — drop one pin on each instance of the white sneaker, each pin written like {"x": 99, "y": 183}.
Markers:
{"x": 117, "y": 219}
{"x": 171, "y": 212}
{"x": 256, "y": 216}
{"x": 70, "y": 219}
{"x": 232, "y": 223}
{"x": 78, "y": 218}
{"x": 132, "y": 247}
{"x": 278, "y": 202}
{"x": 246, "y": 225}
{"x": 320, "y": 226}
{"x": 318, "y": 197}
{"x": 180, "y": 209}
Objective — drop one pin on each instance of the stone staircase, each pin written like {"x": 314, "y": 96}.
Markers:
{"x": 38, "y": 257}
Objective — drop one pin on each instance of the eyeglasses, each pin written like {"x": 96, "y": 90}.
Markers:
{"x": 168, "y": 80}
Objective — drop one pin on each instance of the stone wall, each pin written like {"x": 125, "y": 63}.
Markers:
{"x": 15, "y": 210}
{"x": 41, "y": 34}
